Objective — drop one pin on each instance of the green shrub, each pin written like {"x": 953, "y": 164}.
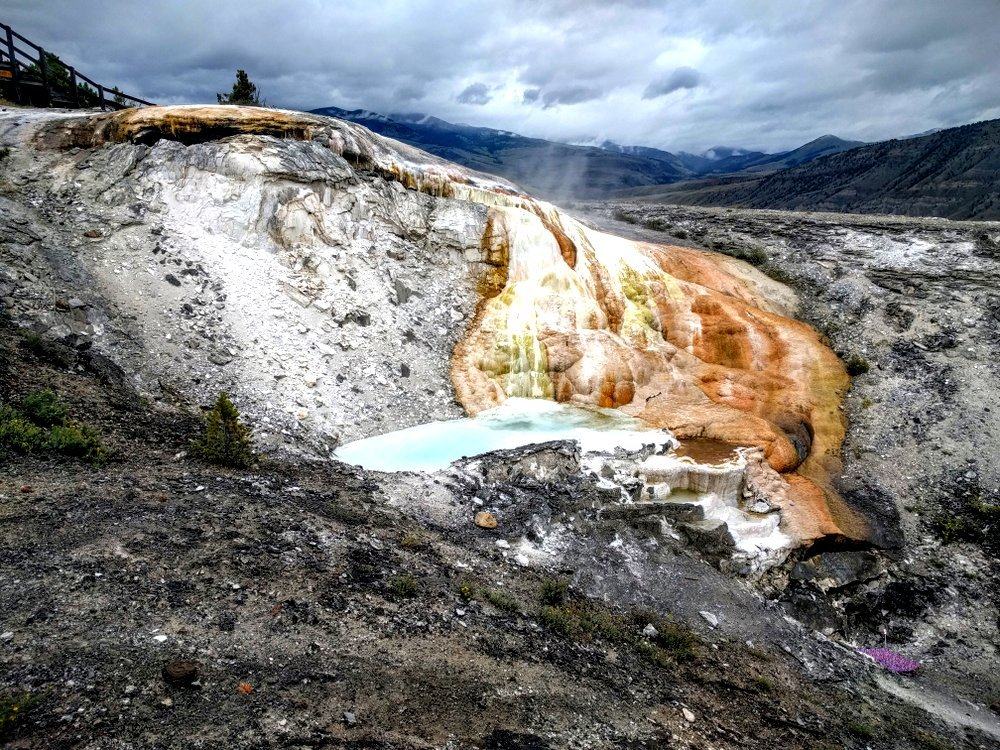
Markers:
{"x": 502, "y": 600}
{"x": 560, "y": 620}
{"x": 13, "y": 709}
{"x": 403, "y": 586}
{"x": 47, "y": 350}
{"x": 18, "y": 433}
{"x": 553, "y": 591}
{"x": 930, "y": 742}
{"x": 32, "y": 342}
{"x": 466, "y": 590}
{"x": 861, "y": 729}
{"x": 226, "y": 440}
{"x": 657, "y": 225}
{"x": 41, "y": 426}
{"x": 856, "y": 364}
{"x": 621, "y": 214}
{"x": 753, "y": 254}
{"x": 677, "y": 640}
{"x": 777, "y": 273}
{"x": 967, "y": 511}
{"x": 414, "y": 540}
{"x": 76, "y": 440}
{"x": 582, "y": 619}
{"x": 44, "y": 408}
{"x": 654, "y": 654}
{"x": 346, "y": 514}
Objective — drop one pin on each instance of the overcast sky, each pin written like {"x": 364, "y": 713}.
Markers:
{"x": 683, "y": 75}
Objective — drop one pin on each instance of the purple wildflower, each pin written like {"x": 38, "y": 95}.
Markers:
{"x": 891, "y": 660}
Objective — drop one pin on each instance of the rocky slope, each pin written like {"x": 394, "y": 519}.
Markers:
{"x": 913, "y": 305}
{"x": 950, "y": 173}
{"x": 158, "y": 602}
{"x": 328, "y": 302}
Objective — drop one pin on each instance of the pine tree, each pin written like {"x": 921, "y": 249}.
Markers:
{"x": 244, "y": 92}
{"x": 226, "y": 440}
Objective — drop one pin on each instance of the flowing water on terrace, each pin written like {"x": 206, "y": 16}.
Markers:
{"x": 528, "y": 375}
{"x": 516, "y": 422}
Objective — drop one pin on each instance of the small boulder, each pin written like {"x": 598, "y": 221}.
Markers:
{"x": 485, "y": 520}
{"x": 181, "y": 672}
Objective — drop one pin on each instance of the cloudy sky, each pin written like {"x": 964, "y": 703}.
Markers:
{"x": 688, "y": 75}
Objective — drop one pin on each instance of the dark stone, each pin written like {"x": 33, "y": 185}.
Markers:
{"x": 715, "y": 542}
{"x": 878, "y": 508}
{"x": 171, "y": 279}
{"x": 505, "y": 739}
{"x": 181, "y": 672}
{"x": 908, "y": 597}
{"x": 403, "y": 292}
{"x": 218, "y": 358}
{"x": 843, "y": 568}
{"x": 552, "y": 461}
{"x": 227, "y": 621}
{"x": 404, "y": 370}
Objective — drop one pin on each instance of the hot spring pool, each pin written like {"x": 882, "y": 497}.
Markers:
{"x": 516, "y": 422}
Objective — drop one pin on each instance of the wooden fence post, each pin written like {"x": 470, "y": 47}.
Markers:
{"x": 44, "y": 70}
{"x": 75, "y": 93}
{"x": 13, "y": 64}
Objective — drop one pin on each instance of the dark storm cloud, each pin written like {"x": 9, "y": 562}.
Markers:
{"x": 569, "y": 95}
{"x": 769, "y": 74}
{"x": 679, "y": 78}
{"x": 475, "y": 93}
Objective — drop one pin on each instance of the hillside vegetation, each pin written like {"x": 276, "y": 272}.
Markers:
{"x": 953, "y": 173}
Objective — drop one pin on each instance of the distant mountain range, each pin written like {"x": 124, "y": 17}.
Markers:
{"x": 952, "y": 173}
{"x": 559, "y": 170}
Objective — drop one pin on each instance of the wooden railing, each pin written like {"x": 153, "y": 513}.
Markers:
{"x": 31, "y": 75}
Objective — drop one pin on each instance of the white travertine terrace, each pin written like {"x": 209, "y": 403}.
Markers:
{"x": 687, "y": 340}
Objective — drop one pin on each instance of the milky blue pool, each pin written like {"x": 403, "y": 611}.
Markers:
{"x": 516, "y": 422}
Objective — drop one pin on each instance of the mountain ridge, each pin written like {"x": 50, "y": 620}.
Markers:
{"x": 952, "y": 173}
{"x": 558, "y": 170}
